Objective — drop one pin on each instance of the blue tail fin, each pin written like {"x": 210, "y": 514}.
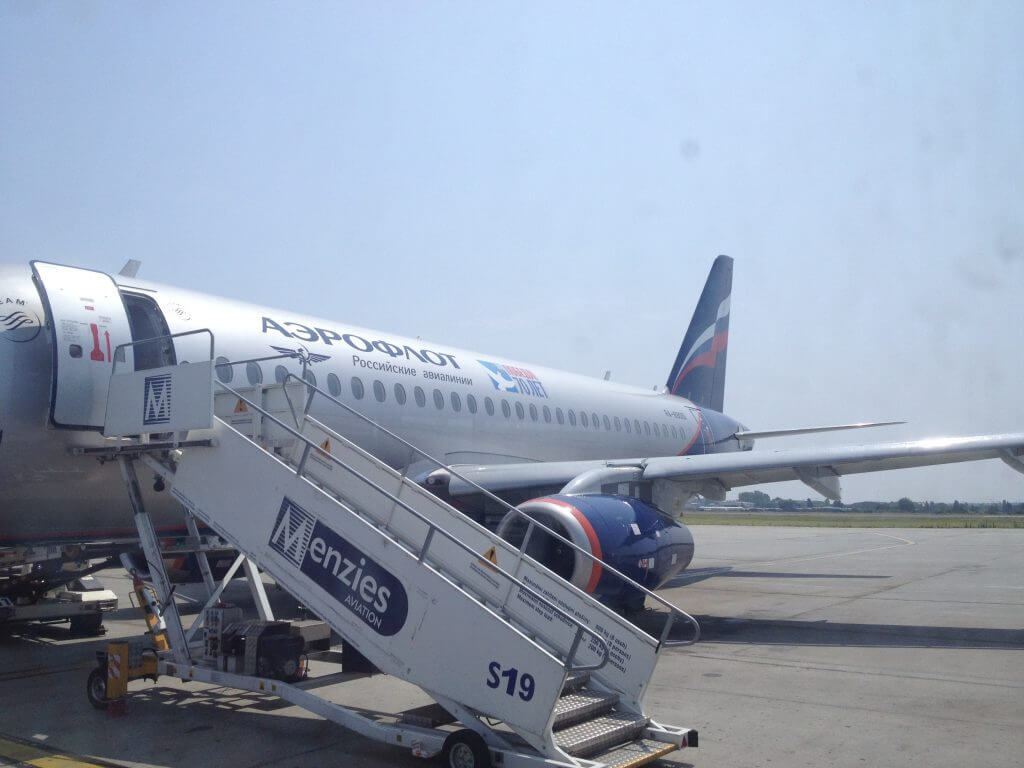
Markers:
{"x": 699, "y": 370}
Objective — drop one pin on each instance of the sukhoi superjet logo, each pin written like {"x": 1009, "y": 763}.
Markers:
{"x": 351, "y": 577}
{"x": 156, "y": 403}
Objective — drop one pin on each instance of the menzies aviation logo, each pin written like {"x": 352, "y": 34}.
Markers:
{"x": 346, "y": 573}
{"x": 156, "y": 406}
{"x": 511, "y": 378}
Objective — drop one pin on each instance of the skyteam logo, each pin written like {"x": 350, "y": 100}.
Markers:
{"x": 345, "y": 572}
{"x": 510, "y": 378}
{"x": 18, "y": 325}
{"x": 156, "y": 405}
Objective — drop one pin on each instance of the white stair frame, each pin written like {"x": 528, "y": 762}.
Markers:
{"x": 421, "y": 531}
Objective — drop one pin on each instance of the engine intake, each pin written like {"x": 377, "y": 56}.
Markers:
{"x": 628, "y": 534}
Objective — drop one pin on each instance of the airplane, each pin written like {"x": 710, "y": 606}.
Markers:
{"x": 606, "y": 465}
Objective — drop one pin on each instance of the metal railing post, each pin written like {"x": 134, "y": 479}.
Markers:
{"x": 573, "y": 648}
{"x": 526, "y": 537}
{"x": 305, "y": 455}
{"x": 426, "y": 543}
{"x": 667, "y": 629}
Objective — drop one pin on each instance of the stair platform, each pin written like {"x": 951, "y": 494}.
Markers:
{"x": 595, "y": 736}
{"x": 636, "y": 753}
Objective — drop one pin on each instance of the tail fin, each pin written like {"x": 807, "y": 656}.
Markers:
{"x": 699, "y": 370}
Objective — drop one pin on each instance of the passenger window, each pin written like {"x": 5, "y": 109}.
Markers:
{"x": 308, "y": 376}
{"x": 547, "y": 414}
{"x": 438, "y": 399}
{"x": 379, "y": 393}
{"x": 254, "y": 373}
{"x": 471, "y": 403}
{"x": 224, "y": 371}
{"x": 421, "y": 399}
{"x": 595, "y": 421}
{"x": 618, "y": 424}
{"x": 572, "y": 418}
{"x": 520, "y": 411}
{"x": 280, "y": 374}
{"x": 357, "y": 388}
{"x": 656, "y": 432}
{"x": 399, "y": 394}
{"x": 456, "y": 402}
{"x": 559, "y": 416}
{"x": 647, "y": 428}
{"x": 584, "y": 420}
{"x": 607, "y": 424}
{"x": 489, "y": 406}
{"x": 629, "y": 425}
{"x": 333, "y": 385}
{"x": 533, "y": 411}
{"x": 506, "y": 409}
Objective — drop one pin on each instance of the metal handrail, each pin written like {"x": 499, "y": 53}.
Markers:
{"x": 432, "y": 527}
{"x": 674, "y": 611}
{"x": 121, "y": 357}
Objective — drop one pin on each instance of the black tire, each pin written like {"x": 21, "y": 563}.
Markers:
{"x": 465, "y": 749}
{"x": 96, "y": 688}
{"x": 86, "y": 623}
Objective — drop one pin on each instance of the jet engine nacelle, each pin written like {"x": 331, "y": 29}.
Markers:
{"x": 628, "y": 534}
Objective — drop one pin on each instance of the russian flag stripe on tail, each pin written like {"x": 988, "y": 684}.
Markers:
{"x": 699, "y": 370}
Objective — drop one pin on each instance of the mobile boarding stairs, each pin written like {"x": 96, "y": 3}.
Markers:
{"x": 418, "y": 588}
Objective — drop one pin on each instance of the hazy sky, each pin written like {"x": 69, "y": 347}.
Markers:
{"x": 551, "y": 181}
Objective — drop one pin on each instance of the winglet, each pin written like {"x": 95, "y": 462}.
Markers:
{"x": 130, "y": 268}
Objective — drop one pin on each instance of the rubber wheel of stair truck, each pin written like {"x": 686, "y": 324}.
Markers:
{"x": 466, "y": 749}
{"x": 96, "y": 688}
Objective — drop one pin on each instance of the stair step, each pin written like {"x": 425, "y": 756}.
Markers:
{"x": 575, "y": 681}
{"x": 582, "y": 705}
{"x": 636, "y": 753}
{"x": 601, "y": 733}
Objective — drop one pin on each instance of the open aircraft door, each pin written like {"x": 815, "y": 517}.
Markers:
{"x": 87, "y": 320}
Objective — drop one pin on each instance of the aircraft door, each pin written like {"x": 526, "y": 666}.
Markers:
{"x": 147, "y": 322}
{"x": 87, "y": 320}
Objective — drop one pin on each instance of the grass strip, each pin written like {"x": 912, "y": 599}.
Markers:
{"x": 841, "y": 520}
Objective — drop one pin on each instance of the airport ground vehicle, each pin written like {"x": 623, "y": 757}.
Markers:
{"x": 28, "y": 594}
{"x": 392, "y": 568}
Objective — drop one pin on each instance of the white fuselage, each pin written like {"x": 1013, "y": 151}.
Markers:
{"x": 460, "y": 406}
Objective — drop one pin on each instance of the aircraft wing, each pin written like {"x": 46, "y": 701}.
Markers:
{"x": 819, "y": 468}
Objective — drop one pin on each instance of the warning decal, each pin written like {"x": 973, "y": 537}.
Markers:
{"x": 490, "y": 557}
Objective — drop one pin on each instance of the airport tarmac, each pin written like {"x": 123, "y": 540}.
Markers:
{"x": 822, "y": 647}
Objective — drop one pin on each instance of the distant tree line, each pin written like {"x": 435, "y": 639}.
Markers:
{"x": 761, "y": 500}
